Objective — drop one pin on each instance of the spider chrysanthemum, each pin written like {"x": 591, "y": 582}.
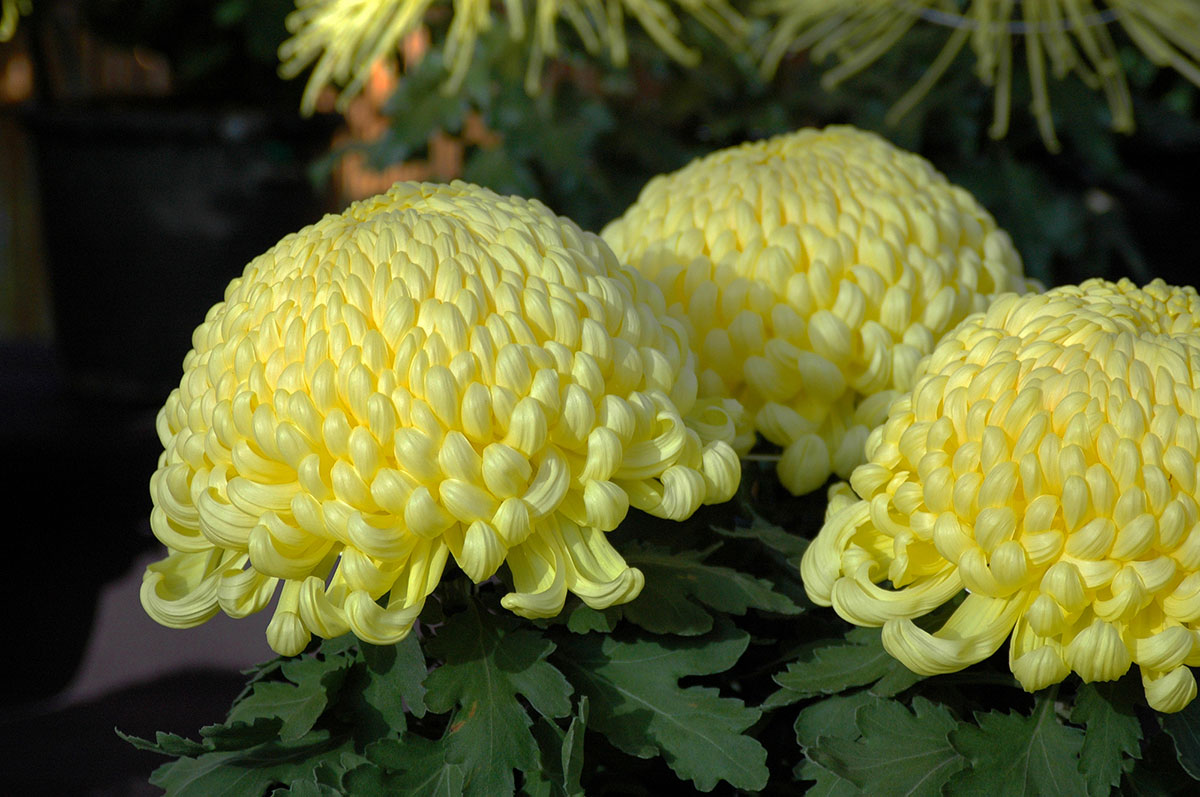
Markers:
{"x": 1046, "y": 463}
{"x": 815, "y": 269}
{"x": 439, "y": 371}
{"x": 1056, "y": 37}
{"x": 343, "y": 39}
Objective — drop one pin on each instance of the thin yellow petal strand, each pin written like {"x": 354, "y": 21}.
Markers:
{"x": 342, "y": 40}
{"x": 814, "y": 270}
{"x": 1046, "y": 459}
{"x": 1064, "y": 35}
{"x": 394, "y": 386}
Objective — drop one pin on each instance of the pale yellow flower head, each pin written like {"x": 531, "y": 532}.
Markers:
{"x": 1046, "y": 462}
{"x": 439, "y": 371}
{"x": 815, "y": 269}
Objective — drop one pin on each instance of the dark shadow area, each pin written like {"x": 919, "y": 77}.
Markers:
{"x": 75, "y": 750}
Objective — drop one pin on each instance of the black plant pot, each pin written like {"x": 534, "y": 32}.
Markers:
{"x": 148, "y": 213}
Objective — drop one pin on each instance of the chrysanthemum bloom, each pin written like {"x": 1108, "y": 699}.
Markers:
{"x": 1047, "y": 463}
{"x": 815, "y": 270}
{"x": 345, "y": 38}
{"x": 437, "y": 371}
{"x": 1057, "y": 36}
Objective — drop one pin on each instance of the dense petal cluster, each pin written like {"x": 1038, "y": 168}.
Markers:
{"x": 1057, "y": 36}
{"x": 1046, "y": 463}
{"x": 345, "y": 38}
{"x": 438, "y": 371}
{"x": 815, "y": 269}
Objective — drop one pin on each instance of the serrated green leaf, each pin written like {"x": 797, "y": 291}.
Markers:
{"x": 420, "y": 766}
{"x": 856, "y": 660}
{"x": 299, "y": 707}
{"x": 165, "y": 743}
{"x": 247, "y": 773}
{"x": 238, "y": 735}
{"x": 1184, "y": 728}
{"x": 299, "y": 702}
{"x": 1113, "y": 734}
{"x": 396, "y": 675}
{"x": 636, "y": 701}
{"x": 308, "y": 788}
{"x": 789, "y": 545}
{"x": 562, "y": 756}
{"x": 833, "y": 717}
{"x": 680, "y": 585}
{"x": 898, "y": 753}
{"x": 1011, "y": 754}
{"x": 826, "y": 782}
{"x": 488, "y": 662}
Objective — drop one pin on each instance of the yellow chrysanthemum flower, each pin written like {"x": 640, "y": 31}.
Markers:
{"x": 1059, "y": 36}
{"x": 10, "y": 13}
{"x": 1047, "y": 462}
{"x": 815, "y": 270}
{"x": 437, "y": 371}
{"x": 345, "y": 38}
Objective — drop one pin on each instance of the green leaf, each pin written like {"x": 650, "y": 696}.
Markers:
{"x": 1112, "y": 737}
{"x": 300, "y": 703}
{"x": 856, "y": 660}
{"x": 584, "y": 619}
{"x": 1158, "y": 771}
{"x": 165, "y": 743}
{"x": 238, "y": 735}
{"x": 791, "y": 546}
{"x": 247, "y": 773}
{"x": 636, "y": 701}
{"x": 298, "y": 706}
{"x": 1184, "y": 728}
{"x": 680, "y": 585}
{"x": 562, "y": 756}
{"x": 396, "y": 680}
{"x": 489, "y": 661}
{"x": 832, "y": 718}
{"x": 899, "y": 752}
{"x": 1012, "y": 754}
{"x": 421, "y": 765}
{"x": 307, "y": 788}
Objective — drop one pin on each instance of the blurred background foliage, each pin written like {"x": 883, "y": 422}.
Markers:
{"x": 1109, "y": 204}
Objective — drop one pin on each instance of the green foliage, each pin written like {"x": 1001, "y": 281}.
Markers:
{"x": 720, "y": 683}
{"x": 1184, "y": 729}
{"x": 478, "y": 701}
{"x": 638, "y": 704}
{"x": 681, "y": 589}
{"x": 897, "y": 752}
{"x": 858, "y": 659}
{"x": 1011, "y": 754}
{"x": 488, "y": 662}
{"x": 1113, "y": 734}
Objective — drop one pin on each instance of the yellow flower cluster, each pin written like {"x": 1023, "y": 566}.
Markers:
{"x": 437, "y": 371}
{"x": 1048, "y": 463}
{"x": 345, "y": 38}
{"x": 815, "y": 270}
{"x": 1058, "y": 37}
